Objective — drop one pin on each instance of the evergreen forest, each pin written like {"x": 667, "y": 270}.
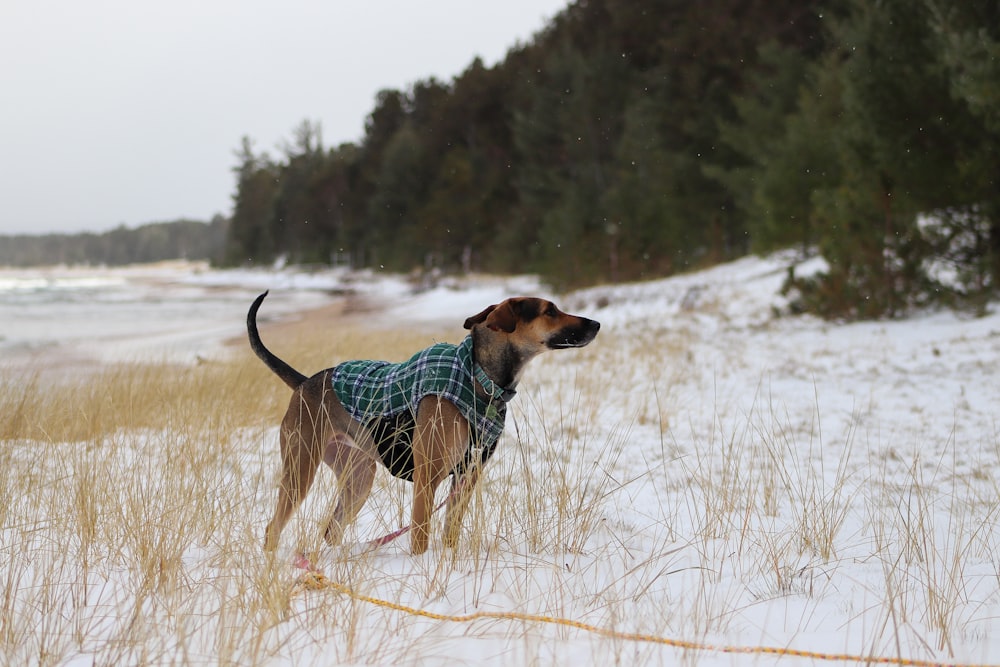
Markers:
{"x": 631, "y": 140}
{"x": 153, "y": 242}
{"x": 635, "y": 139}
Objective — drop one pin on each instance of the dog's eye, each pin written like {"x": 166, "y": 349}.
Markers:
{"x": 551, "y": 311}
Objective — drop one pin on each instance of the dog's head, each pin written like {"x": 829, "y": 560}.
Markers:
{"x": 536, "y": 323}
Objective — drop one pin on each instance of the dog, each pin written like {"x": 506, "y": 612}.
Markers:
{"x": 449, "y": 424}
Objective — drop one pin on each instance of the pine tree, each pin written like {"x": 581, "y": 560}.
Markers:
{"x": 250, "y": 238}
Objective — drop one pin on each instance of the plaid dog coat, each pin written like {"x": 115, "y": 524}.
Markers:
{"x": 384, "y": 397}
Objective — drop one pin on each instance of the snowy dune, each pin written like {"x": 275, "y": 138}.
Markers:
{"x": 710, "y": 470}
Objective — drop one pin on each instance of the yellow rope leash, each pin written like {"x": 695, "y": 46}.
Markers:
{"x": 316, "y": 581}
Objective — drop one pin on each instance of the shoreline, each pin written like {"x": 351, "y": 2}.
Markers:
{"x": 175, "y": 316}
{"x": 73, "y": 361}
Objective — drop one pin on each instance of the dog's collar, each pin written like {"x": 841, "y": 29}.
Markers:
{"x": 491, "y": 387}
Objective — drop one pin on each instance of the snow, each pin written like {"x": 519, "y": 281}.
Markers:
{"x": 711, "y": 469}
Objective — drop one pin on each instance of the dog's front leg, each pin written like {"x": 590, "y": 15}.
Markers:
{"x": 439, "y": 442}
{"x": 458, "y": 503}
{"x": 424, "y": 486}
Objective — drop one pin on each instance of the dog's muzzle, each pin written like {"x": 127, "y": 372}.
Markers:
{"x": 576, "y": 335}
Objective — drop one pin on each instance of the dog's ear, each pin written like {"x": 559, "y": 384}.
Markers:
{"x": 498, "y": 317}
{"x": 479, "y": 318}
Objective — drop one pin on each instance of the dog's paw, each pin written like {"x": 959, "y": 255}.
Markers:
{"x": 418, "y": 542}
{"x": 450, "y": 538}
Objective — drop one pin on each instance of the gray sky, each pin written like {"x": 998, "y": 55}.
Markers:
{"x": 129, "y": 111}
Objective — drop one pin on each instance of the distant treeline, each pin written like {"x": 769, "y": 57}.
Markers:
{"x": 182, "y": 239}
{"x": 635, "y": 139}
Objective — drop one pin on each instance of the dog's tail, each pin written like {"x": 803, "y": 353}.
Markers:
{"x": 289, "y": 375}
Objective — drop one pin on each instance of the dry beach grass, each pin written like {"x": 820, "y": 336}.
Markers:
{"x": 133, "y": 499}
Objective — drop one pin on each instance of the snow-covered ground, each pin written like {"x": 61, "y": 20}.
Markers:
{"x": 709, "y": 470}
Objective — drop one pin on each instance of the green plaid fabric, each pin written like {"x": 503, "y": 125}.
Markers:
{"x": 373, "y": 391}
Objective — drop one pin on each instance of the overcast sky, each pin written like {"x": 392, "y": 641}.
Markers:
{"x": 129, "y": 111}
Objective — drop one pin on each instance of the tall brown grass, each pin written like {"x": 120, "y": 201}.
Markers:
{"x": 133, "y": 501}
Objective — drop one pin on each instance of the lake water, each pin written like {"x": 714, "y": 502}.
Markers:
{"x": 166, "y": 312}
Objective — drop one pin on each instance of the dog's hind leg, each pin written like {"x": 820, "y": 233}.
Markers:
{"x": 355, "y": 471}
{"x": 299, "y": 461}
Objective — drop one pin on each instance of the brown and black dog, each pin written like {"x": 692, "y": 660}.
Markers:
{"x": 318, "y": 427}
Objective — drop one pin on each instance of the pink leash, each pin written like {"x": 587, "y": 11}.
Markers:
{"x": 385, "y": 539}
{"x": 300, "y": 561}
